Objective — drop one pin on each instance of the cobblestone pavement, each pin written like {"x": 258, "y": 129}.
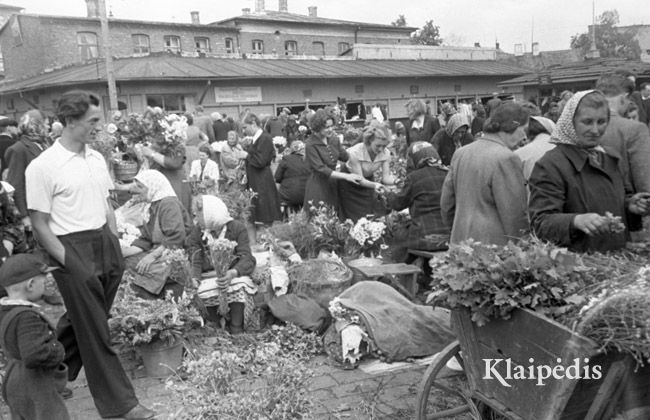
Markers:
{"x": 338, "y": 394}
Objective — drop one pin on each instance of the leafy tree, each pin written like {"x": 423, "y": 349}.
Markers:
{"x": 428, "y": 35}
{"x": 400, "y": 21}
{"x": 610, "y": 40}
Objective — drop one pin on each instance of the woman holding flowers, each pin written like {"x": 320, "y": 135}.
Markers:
{"x": 166, "y": 224}
{"x": 578, "y": 196}
{"x": 366, "y": 158}
{"x": 167, "y": 152}
{"x": 215, "y": 233}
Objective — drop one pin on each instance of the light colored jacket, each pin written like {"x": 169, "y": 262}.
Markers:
{"x": 484, "y": 194}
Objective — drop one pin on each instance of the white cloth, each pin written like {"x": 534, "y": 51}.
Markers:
{"x": 215, "y": 213}
{"x": 71, "y": 187}
{"x": 157, "y": 184}
{"x": 533, "y": 151}
{"x": 257, "y": 135}
{"x": 211, "y": 170}
{"x": 376, "y": 114}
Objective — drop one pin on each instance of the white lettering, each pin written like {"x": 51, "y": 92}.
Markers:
{"x": 490, "y": 370}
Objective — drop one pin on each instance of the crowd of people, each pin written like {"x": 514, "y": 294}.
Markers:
{"x": 576, "y": 176}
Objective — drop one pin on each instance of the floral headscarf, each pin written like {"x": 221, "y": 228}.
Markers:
{"x": 565, "y": 131}
{"x": 215, "y": 213}
{"x": 32, "y": 126}
{"x": 455, "y": 122}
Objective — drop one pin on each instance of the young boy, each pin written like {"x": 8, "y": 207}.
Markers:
{"x": 35, "y": 373}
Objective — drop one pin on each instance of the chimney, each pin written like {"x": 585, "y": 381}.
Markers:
{"x": 92, "y": 7}
{"x": 313, "y": 11}
{"x": 259, "y": 6}
{"x": 246, "y": 11}
{"x": 195, "y": 18}
{"x": 283, "y": 6}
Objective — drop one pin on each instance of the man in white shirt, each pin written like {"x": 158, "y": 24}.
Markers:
{"x": 67, "y": 189}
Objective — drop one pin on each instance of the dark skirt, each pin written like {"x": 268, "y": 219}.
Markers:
{"x": 357, "y": 202}
{"x": 322, "y": 189}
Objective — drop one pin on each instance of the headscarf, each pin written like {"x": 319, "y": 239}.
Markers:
{"x": 455, "y": 122}
{"x": 547, "y": 123}
{"x": 215, "y": 213}
{"x": 448, "y": 109}
{"x": 424, "y": 154}
{"x": 565, "y": 131}
{"x": 32, "y": 126}
{"x": 158, "y": 187}
{"x": 297, "y": 147}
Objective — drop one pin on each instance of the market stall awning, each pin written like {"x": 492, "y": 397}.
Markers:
{"x": 584, "y": 71}
{"x": 166, "y": 67}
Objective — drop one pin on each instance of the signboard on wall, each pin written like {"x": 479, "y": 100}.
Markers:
{"x": 238, "y": 94}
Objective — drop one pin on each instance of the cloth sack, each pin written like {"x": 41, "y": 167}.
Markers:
{"x": 303, "y": 311}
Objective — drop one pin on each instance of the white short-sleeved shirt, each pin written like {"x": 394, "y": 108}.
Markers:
{"x": 368, "y": 166}
{"x": 71, "y": 187}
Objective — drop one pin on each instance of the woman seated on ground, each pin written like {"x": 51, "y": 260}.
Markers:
{"x": 365, "y": 159}
{"x": 292, "y": 175}
{"x": 166, "y": 227}
{"x": 213, "y": 222}
{"x": 574, "y": 185}
{"x": 484, "y": 194}
{"x": 452, "y": 137}
{"x": 231, "y": 158}
{"x": 204, "y": 168}
{"x": 421, "y": 195}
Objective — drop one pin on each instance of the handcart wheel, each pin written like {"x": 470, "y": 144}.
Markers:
{"x": 445, "y": 390}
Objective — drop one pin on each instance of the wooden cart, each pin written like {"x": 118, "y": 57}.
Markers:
{"x": 621, "y": 389}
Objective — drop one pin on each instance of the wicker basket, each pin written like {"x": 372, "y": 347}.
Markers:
{"x": 320, "y": 279}
{"x": 362, "y": 262}
{"x": 125, "y": 170}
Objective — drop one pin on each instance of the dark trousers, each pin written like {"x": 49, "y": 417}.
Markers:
{"x": 88, "y": 284}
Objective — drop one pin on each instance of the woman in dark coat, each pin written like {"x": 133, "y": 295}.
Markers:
{"x": 292, "y": 175}
{"x": 574, "y": 185}
{"x": 452, "y": 137}
{"x": 322, "y": 152}
{"x": 421, "y": 126}
{"x": 261, "y": 153}
{"x": 421, "y": 195}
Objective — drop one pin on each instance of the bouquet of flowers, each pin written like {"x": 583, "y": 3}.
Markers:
{"x": 330, "y": 234}
{"x": 126, "y": 232}
{"x": 280, "y": 143}
{"x": 180, "y": 264}
{"x": 222, "y": 256}
{"x": 368, "y": 235}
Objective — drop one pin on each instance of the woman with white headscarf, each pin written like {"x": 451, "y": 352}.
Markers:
{"x": 166, "y": 224}
{"x": 575, "y": 185}
{"x": 214, "y": 221}
{"x": 539, "y": 136}
{"x": 452, "y": 136}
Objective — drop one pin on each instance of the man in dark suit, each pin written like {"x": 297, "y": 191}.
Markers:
{"x": 220, "y": 126}
{"x": 630, "y": 139}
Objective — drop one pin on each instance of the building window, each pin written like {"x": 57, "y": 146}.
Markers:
{"x": 202, "y": 45}
{"x": 141, "y": 44}
{"x": 258, "y": 46}
{"x": 318, "y": 48}
{"x": 290, "y": 48}
{"x": 169, "y": 103}
{"x": 343, "y": 47}
{"x": 173, "y": 44}
{"x": 88, "y": 48}
{"x": 230, "y": 46}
